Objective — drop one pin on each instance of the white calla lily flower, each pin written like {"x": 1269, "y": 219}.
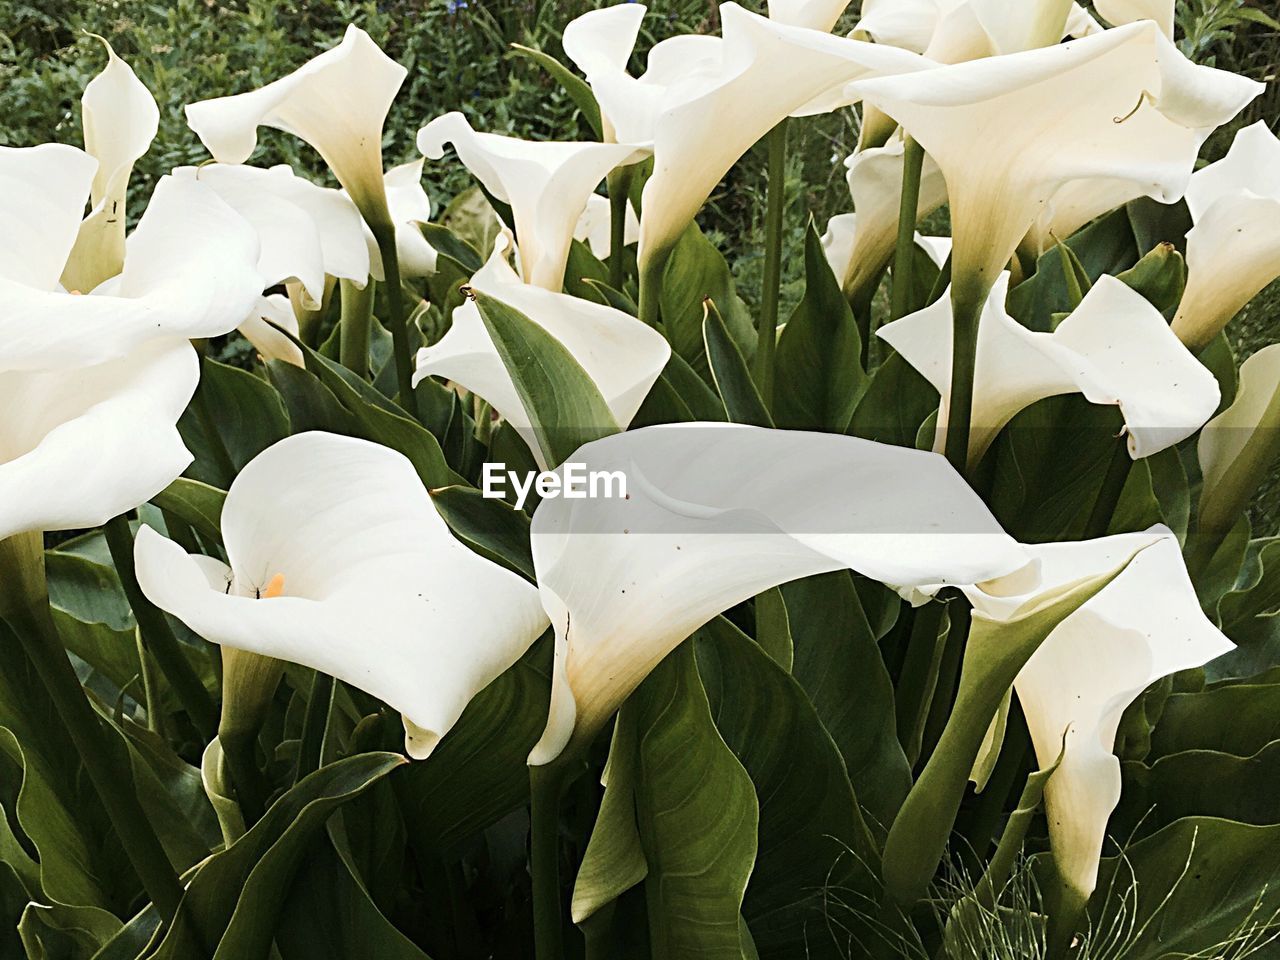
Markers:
{"x": 1115, "y": 348}
{"x": 703, "y": 101}
{"x": 120, "y": 119}
{"x": 270, "y": 343}
{"x": 190, "y": 271}
{"x": 818, "y": 15}
{"x": 1233, "y": 251}
{"x": 1145, "y": 625}
{"x": 1119, "y": 12}
{"x": 595, "y": 226}
{"x": 1127, "y": 105}
{"x": 409, "y": 206}
{"x": 622, "y": 356}
{"x": 546, "y": 183}
{"x": 44, "y": 190}
{"x": 359, "y": 577}
{"x": 306, "y": 232}
{"x": 711, "y": 518}
{"x": 337, "y": 102}
{"x": 80, "y": 445}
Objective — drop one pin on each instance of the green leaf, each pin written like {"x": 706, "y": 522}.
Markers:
{"x": 696, "y": 271}
{"x": 729, "y": 373}
{"x": 241, "y": 890}
{"x": 563, "y": 403}
{"x": 199, "y": 504}
{"x": 773, "y": 628}
{"x": 489, "y": 527}
{"x": 896, "y": 402}
{"x": 838, "y": 663}
{"x": 573, "y": 85}
{"x": 679, "y": 396}
{"x": 246, "y": 412}
{"x": 445, "y": 241}
{"x": 994, "y": 654}
{"x": 1160, "y": 276}
{"x": 819, "y": 376}
{"x": 1239, "y": 719}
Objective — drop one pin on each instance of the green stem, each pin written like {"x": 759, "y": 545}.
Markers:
{"x": 919, "y": 678}
{"x": 776, "y": 203}
{"x": 353, "y": 326}
{"x": 385, "y": 236}
{"x": 1109, "y": 494}
{"x": 966, "y": 309}
{"x": 157, "y": 635}
{"x": 651, "y": 271}
{"x": 313, "y": 724}
{"x": 155, "y": 716}
{"x": 619, "y": 189}
{"x": 25, "y": 604}
{"x": 251, "y": 789}
{"x": 545, "y": 785}
{"x": 904, "y": 254}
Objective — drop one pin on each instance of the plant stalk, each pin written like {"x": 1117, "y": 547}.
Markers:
{"x": 775, "y": 208}
{"x": 354, "y": 325}
{"x": 251, "y": 790}
{"x": 385, "y": 236}
{"x": 313, "y": 724}
{"x": 904, "y": 254}
{"x": 157, "y": 635}
{"x": 652, "y": 270}
{"x": 619, "y": 190}
{"x": 966, "y": 308}
{"x": 1109, "y": 494}
{"x": 25, "y": 605}
{"x": 919, "y": 678}
{"x": 545, "y": 786}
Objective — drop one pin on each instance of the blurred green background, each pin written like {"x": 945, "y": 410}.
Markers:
{"x": 458, "y": 56}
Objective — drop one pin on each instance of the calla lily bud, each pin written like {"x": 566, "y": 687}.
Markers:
{"x": 547, "y": 185}
{"x": 337, "y": 102}
{"x": 120, "y": 120}
{"x": 711, "y": 518}
{"x": 339, "y": 561}
{"x": 1233, "y": 251}
{"x": 1160, "y": 276}
{"x": 621, "y": 355}
{"x": 1239, "y": 446}
{"x": 1115, "y": 348}
{"x": 1144, "y": 625}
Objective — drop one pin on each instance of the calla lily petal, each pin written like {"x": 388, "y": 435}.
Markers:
{"x": 1127, "y": 105}
{"x": 120, "y": 120}
{"x": 375, "y": 591}
{"x": 409, "y": 206}
{"x": 711, "y": 518}
{"x": 547, "y": 185}
{"x": 595, "y": 226}
{"x": 1115, "y": 348}
{"x": 44, "y": 190}
{"x": 1119, "y": 12}
{"x": 337, "y": 102}
{"x": 270, "y": 343}
{"x": 81, "y": 445}
{"x": 620, "y": 354}
{"x": 1233, "y": 251}
{"x": 190, "y": 271}
{"x": 951, "y": 31}
{"x": 305, "y": 231}
{"x": 818, "y": 15}
{"x": 1144, "y": 625}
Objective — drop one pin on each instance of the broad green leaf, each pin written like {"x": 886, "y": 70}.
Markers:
{"x": 895, "y": 403}
{"x": 1160, "y": 276}
{"x": 812, "y": 836}
{"x": 199, "y": 504}
{"x": 573, "y": 85}
{"x": 696, "y": 271}
{"x": 445, "y": 241}
{"x": 490, "y": 527}
{"x": 1240, "y": 719}
{"x": 819, "y": 377}
{"x": 62, "y": 932}
{"x": 245, "y": 411}
{"x": 241, "y": 889}
{"x": 773, "y": 628}
{"x": 1197, "y": 883}
{"x": 838, "y": 663}
{"x": 994, "y": 654}
{"x": 679, "y": 396}
{"x": 563, "y": 403}
{"x": 729, "y": 372}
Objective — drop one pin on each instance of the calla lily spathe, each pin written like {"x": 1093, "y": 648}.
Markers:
{"x": 1239, "y": 446}
{"x": 818, "y": 15}
{"x": 1120, "y": 12}
{"x": 594, "y": 226}
{"x": 337, "y": 102}
{"x": 80, "y": 445}
{"x": 1233, "y": 251}
{"x": 409, "y": 206}
{"x": 711, "y": 518}
{"x": 189, "y": 270}
{"x": 1144, "y": 625}
{"x": 703, "y": 101}
{"x": 365, "y": 581}
{"x": 260, "y": 330}
{"x": 546, "y": 183}
{"x": 120, "y": 119}
{"x": 621, "y": 355}
{"x": 1126, "y": 105}
{"x": 1115, "y": 348}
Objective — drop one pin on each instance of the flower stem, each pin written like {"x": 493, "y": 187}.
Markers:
{"x": 912, "y": 165}
{"x": 251, "y": 790}
{"x": 919, "y": 679}
{"x": 966, "y": 310}
{"x": 357, "y": 315}
{"x": 619, "y": 187}
{"x": 24, "y": 604}
{"x": 314, "y": 722}
{"x": 776, "y": 201}
{"x": 545, "y": 785}
{"x": 157, "y": 635}
{"x": 1109, "y": 494}
{"x": 651, "y": 273}
{"x": 385, "y": 236}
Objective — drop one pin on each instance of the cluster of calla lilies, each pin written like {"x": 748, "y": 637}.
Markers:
{"x": 1029, "y": 123}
